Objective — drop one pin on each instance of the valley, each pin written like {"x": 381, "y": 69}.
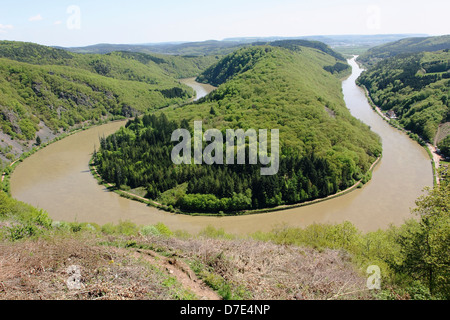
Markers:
{"x": 384, "y": 200}
{"x": 93, "y": 205}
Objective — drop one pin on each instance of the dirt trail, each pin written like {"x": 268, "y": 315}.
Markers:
{"x": 180, "y": 270}
{"x": 436, "y": 159}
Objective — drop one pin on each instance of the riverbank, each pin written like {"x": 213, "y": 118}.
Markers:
{"x": 6, "y": 174}
{"x": 58, "y": 180}
{"x": 430, "y": 149}
{"x": 132, "y": 196}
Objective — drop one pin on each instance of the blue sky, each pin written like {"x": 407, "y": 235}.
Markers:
{"x": 138, "y": 21}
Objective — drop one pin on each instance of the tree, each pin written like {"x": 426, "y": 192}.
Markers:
{"x": 425, "y": 244}
{"x": 38, "y": 141}
{"x": 444, "y": 145}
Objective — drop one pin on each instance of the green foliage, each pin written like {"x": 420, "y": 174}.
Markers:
{"x": 414, "y": 258}
{"x": 409, "y": 45}
{"x": 197, "y": 49}
{"x": 425, "y": 244}
{"x": 225, "y": 289}
{"x": 213, "y": 233}
{"x": 234, "y": 64}
{"x": 297, "y": 44}
{"x": 266, "y": 87}
{"x": 24, "y": 220}
{"x": 415, "y": 87}
{"x": 338, "y": 68}
{"x": 163, "y": 229}
{"x": 319, "y": 236}
{"x": 21, "y": 212}
{"x": 20, "y": 231}
{"x": 32, "y": 53}
{"x": 176, "y": 66}
{"x": 444, "y": 146}
{"x": 159, "y": 229}
{"x": 62, "y": 89}
{"x": 122, "y": 228}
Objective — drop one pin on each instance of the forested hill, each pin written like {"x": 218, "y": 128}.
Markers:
{"x": 150, "y": 68}
{"x": 201, "y": 48}
{"x": 46, "y": 90}
{"x": 408, "y": 45}
{"x": 244, "y": 59}
{"x": 416, "y": 87}
{"x": 323, "y": 148}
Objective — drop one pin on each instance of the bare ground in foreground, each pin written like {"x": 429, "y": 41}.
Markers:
{"x": 161, "y": 268}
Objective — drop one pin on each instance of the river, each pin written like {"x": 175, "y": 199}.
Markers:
{"x": 57, "y": 179}
{"x": 200, "y": 88}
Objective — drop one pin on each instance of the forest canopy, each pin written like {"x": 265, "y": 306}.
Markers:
{"x": 416, "y": 87}
{"x": 44, "y": 86}
{"x": 323, "y": 148}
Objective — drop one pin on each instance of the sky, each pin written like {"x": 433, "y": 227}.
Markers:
{"x": 86, "y": 22}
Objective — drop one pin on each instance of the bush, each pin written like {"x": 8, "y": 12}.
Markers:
{"x": 163, "y": 229}
{"x": 149, "y": 230}
{"x": 159, "y": 229}
{"x": 123, "y": 227}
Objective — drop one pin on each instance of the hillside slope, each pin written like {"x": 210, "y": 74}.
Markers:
{"x": 416, "y": 87}
{"x": 201, "y": 48}
{"x": 323, "y": 148}
{"x": 45, "y": 259}
{"x": 408, "y": 45}
{"x": 49, "y": 90}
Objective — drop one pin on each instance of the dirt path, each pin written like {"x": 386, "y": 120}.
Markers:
{"x": 178, "y": 269}
{"x": 436, "y": 159}
{"x": 4, "y": 173}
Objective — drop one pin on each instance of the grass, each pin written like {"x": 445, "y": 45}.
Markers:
{"x": 317, "y": 262}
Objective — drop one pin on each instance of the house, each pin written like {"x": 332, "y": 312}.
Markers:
{"x": 391, "y": 114}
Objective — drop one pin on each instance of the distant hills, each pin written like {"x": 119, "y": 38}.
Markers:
{"x": 210, "y": 47}
{"x": 336, "y": 40}
{"x": 228, "y": 45}
{"x": 408, "y": 45}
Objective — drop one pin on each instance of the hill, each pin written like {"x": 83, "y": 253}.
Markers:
{"x": 48, "y": 90}
{"x": 44, "y": 259}
{"x": 243, "y": 60}
{"x": 415, "y": 87}
{"x": 149, "y": 68}
{"x": 178, "y": 67}
{"x": 226, "y": 46}
{"x": 200, "y": 48}
{"x": 408, "y": 45}
{"x": 324, "y": 149}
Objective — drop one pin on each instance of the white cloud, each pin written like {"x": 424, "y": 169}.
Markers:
{"x": 57, "y": 22}
{"x": 5, "y": 27}
{"x": 36, "y": 18}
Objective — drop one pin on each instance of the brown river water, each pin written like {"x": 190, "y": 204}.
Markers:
{"x": 57, "y": 179}
{"x": 200, "y": 88}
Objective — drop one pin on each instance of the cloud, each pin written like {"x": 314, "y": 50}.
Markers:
{"x": 5, "y": 27}
{"x": 57, "y": 22}
{"x": 36, "y": 18}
